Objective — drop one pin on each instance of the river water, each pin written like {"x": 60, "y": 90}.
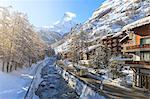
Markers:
{"x": 53, "y": 85}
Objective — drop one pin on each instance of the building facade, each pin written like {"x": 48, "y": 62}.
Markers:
{"x": 138, "y": 46}
{"x": 114, "y": 42}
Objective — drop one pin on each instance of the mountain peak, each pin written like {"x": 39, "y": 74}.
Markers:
{"x": 65, "y": 24}
{"x": 68, "y": 16}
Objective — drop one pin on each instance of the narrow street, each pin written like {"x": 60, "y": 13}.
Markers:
{"x": 53, "y": 85}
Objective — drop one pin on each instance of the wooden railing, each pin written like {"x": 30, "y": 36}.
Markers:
{"x": 138, "y": 47}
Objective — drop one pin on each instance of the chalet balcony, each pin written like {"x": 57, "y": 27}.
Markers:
{"x": 134, "y": 48}
{"x": 138, "y": 64}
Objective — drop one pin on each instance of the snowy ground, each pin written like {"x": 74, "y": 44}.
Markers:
{"x": 15, "y": 84}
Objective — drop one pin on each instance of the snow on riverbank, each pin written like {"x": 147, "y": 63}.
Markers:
{"x": 15, "y": 84}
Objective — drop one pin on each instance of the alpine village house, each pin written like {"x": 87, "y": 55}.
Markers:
{"x": 137, "y": 48}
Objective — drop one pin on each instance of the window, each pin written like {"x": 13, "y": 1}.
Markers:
{"x": 145, "y": 56}
{"x": 145, "y": 40}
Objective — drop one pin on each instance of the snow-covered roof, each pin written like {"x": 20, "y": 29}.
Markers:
{"x": 117, "y": 34}
{"x": 137, "y": 23}
{"x": 113, "y": 35}
{"x": 94, "y": 39}
{"x": 90, "y": 48}
{"x": 124, "y": 38}
{"x": 104, "y": 37}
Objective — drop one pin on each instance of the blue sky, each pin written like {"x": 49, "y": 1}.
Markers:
{"x": 47, "y": 12}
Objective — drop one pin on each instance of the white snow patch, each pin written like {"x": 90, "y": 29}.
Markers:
{"x": 14, "y": 85}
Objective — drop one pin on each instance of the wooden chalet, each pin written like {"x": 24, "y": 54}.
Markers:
{"x": 138, "y": 48}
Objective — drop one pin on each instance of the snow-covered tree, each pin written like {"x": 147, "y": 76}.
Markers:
{"x": 19, "y": 43}
{"x": 75, "y": 47}
{"x": 115, "y": 69}
{"x": 78, "y": 45}
{"x": 103, "y": 56}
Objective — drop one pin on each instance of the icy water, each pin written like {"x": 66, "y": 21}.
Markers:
{"x": 54, "y": 86}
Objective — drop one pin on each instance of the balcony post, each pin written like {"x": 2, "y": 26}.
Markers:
{"x": 138, "y": 78}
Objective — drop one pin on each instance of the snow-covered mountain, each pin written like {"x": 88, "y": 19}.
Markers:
{"x": 53, "y": 33}
{"x": 65, "y": 24}
{"x": 48, "y": 36}
{"x": 112, "y": 15}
